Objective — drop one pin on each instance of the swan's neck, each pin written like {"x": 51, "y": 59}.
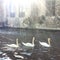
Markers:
{"x": 49, "y": 41}
{"x": 17, "y": 42}
{"x": 33, "y": 40}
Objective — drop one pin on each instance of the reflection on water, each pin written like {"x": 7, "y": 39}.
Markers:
{"x": 53, "y": 53}
{"x": 27, "y": 34}
{"x": 34, "y": 55}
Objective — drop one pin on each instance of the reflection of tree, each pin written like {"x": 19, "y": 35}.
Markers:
{"x": 41, "y": 19}
{"x": 17, "y": 23}
{"x": 50, "y": 7}
{"x": 57, "y": 7}
{"x": 27, "y": 21}
{"x": 34, "y": 19}
{"x": 34, "y": 15}
{"x": 51, "y": 20}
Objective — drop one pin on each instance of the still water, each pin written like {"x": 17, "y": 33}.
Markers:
{"x": 27, "y": 34}
{"x": 9, "y": 35}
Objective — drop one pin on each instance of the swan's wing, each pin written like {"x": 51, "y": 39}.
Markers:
{"x": 12, "y": 45}
{"x": 19, "y": 56}
{"x": 24, "y": 43}
{"x": 28, "y": 44}
{"x": 44, "y": 44}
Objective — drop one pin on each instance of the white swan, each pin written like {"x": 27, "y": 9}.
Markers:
{"x": 6, "y": 58}
{"x": 45, "y": 44}
{"x": 19, "y": 56}
{"x": 29, "y": 44}
{"x": 14, "y": 45}
{"x": 11, "y": 47}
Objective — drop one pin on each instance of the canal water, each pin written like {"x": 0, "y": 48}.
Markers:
{"x": 27, "y": 34}
{"x": 9, "y": 35}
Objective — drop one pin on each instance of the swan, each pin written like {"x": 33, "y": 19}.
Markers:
{"x": 19, "y": 56}
{"x": 29, "y": 44}
{"x": 14, "y": 45}
{"x": 6, "y": 58}
{"x": 11, "y": 47}
{"x": 45, "y": 44}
